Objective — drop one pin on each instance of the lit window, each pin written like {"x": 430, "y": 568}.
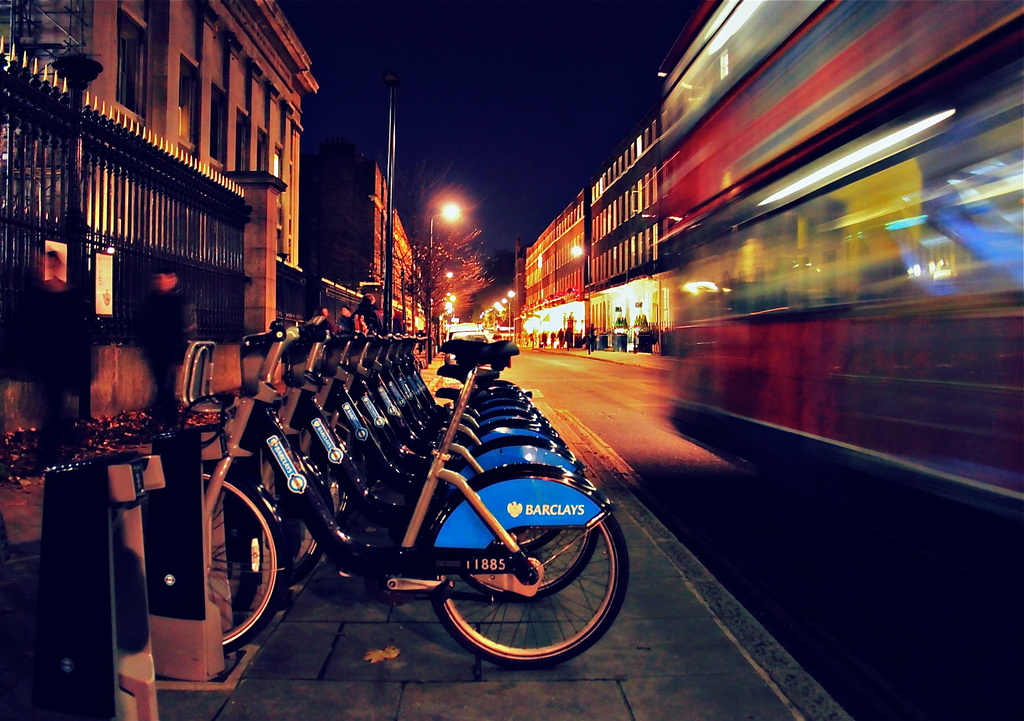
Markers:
{"x": 186, "y": 101}
{"x": 129, "y": 64}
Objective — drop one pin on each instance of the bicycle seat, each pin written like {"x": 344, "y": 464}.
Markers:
{"x": 476, "y": 352}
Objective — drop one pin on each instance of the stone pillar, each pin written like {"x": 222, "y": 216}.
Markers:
{"x": 262, "y": 191}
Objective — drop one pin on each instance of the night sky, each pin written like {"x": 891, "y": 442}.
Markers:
{"x": 521, "y": 102}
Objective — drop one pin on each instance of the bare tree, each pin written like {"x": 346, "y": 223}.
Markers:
{"x": 449, "y": 263}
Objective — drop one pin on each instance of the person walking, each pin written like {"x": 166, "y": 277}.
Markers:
{"x": 164, "y": 335}
{"x": 368, "y": 317}
{"x": 398, "y": 323}
{"x": 325, "y": 313}
{"x": 48, "y": 346}
{"x": 346, "y": 322}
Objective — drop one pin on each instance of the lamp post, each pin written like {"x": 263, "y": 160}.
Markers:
{"x": 405, "y": 308}
{"x": 78, "y": 71}
{"x": 450, "y": 212}
{"x": 391, "y": 80}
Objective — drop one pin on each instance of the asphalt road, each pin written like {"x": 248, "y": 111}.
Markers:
{"x": 891, "y": 628}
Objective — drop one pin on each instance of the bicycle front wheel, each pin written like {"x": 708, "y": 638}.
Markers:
{"x": 250, "y": 568}
{"x": 562, "y": 621}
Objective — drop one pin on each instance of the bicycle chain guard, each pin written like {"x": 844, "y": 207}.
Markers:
{"x": 508, "y": 581}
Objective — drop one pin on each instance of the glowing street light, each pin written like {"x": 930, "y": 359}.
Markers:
{"x": 450, "y": 212}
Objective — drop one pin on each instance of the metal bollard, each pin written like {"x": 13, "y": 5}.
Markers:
{"x": 185, "y": 623}
{"x": 93, "y": 655}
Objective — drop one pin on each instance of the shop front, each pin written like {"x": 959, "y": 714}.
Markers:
{"x": 560, "y": 323}
{"x": 627, "y": 317}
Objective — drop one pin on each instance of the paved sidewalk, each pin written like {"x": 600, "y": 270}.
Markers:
{"x": 680, "y": 649}
{"x": 643, "y": 360}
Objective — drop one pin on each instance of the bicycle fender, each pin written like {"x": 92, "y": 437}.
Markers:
{"x": 498, "y": 457}
{"x": 516, "y": 502}
{"x": 505, "y": 432}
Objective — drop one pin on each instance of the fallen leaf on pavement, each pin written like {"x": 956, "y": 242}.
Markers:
{"x": 377, "y": 655}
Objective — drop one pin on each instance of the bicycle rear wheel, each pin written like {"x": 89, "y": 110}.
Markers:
{"x": 250, "y": 569}
{"x": 563, "y": 620}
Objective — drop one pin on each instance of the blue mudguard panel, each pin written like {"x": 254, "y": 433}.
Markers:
{"x": 516, "y": 503}
{"x": 498, "y": 457}
{"x": 505, "y": 432}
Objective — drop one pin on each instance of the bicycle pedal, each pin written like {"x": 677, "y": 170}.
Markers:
{"x": 444, "y": 590}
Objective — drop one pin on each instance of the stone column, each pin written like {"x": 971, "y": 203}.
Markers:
{"x": 262, "y": 191}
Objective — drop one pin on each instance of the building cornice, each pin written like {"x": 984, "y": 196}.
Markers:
{"x": 266, "y": 27}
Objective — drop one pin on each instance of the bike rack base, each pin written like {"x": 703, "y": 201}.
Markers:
{"x": 93, "y": 654}
{"x": 185, "y": 622}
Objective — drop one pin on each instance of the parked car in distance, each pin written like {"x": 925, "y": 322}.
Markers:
{"x": 460, "y": 330}
{"x": 464, "y": 331}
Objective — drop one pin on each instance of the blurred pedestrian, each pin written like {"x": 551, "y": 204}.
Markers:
{"x": 163, "y": 330}
{"x": 397, "y": 323}
{"x": 48, "y": 346}
{"x": 591, "y": 338}
{"x": 325, "y": 313}
{"x": 346, "y": 323}
{"x": 368, "y": 316}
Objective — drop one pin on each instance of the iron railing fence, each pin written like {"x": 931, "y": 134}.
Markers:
{"x": 140, "y": 201}
{"x": 291, "y": 293}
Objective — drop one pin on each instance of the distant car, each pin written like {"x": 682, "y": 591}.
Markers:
{"x": 458, "y": 330}
{"x": 470, "y": 332}
{"x": 502, "y": 332}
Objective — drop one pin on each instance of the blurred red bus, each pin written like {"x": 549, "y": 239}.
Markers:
{"x": 843, "y": 206}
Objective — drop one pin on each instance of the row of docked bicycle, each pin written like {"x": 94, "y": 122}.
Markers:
{"x": 489, "y": 515}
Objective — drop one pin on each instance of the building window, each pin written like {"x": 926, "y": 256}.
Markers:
{"x": 262, "y": 150}
{"x": 276, "y": 170}
{"x": 130, "y": 51}
{"x": 186, "y": 101}
{"x": 218, "y": 135}
{"x": 241, "y": 141}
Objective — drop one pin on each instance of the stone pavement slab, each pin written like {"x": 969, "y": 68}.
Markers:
{"x": 525, "y": 701}
{"x": 263, "y": 699}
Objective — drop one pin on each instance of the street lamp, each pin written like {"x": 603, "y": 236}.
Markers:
{"x": 78, "y": 71}
{"x": 512, "y": 311}
{"x": 450, "y": 212}
{"x": 391, "y": 80}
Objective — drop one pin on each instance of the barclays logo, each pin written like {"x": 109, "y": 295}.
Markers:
{"x": 515, "y": 509}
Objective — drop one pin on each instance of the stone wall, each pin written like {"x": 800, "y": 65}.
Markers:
{"x": 122, "y": 382}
